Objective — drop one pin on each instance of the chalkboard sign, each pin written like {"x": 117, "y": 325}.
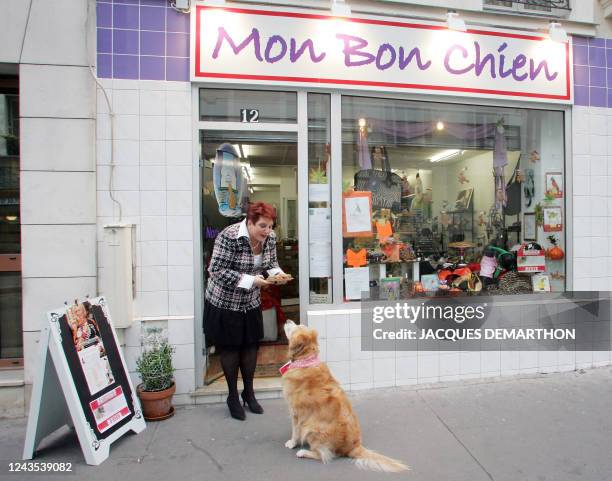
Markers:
{"x": 386, "y": 188}
{"x": 90, "y": 375}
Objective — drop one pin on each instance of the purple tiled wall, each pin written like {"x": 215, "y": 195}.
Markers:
{"x": 593, "y": 72}
{"x": 142, "y": 39}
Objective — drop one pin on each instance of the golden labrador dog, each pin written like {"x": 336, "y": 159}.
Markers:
{"x": 321, "y": 414}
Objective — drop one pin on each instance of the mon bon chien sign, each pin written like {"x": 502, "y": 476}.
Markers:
{"x": 294, "y": 47}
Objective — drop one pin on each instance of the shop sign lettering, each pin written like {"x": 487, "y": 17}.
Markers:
{"x": 292, "y": 47}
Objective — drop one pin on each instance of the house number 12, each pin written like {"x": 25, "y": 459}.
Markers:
{"x": 249, "y": 115}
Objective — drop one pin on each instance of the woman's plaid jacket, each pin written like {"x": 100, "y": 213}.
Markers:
{"x": 231, "y": 258}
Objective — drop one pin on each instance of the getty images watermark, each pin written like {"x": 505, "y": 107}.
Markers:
{"x": 564, "y": 321}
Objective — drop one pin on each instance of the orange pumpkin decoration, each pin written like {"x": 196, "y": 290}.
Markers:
{"x": 554, "y": 253}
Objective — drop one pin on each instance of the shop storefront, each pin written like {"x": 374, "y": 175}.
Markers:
{"x": 421, "y": 162}
{"x": 407, "y": 161}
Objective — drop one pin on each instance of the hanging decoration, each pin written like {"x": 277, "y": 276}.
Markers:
{"x": 529, "y": 187}
{"x": 228, "y": 181}
{"x": 500, "y": 160}
{"x": 365, "y": 162}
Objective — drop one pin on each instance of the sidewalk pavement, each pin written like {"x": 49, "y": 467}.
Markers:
{"x": 554, "y": 427}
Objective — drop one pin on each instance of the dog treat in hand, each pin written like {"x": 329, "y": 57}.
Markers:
{"x": 280, "y": 278}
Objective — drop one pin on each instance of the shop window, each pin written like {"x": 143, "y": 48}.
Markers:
{"x": 319, "y": 199}
{"x": 443, "y": 199}
{"x": 248, "y": 106}
{"x": 11, "y": 344}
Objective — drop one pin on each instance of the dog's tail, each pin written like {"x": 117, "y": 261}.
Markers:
{"x": 368, "y": 459}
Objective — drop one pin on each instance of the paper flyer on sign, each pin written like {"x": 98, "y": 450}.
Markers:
{"x": 89, "y": 346}
{"x": 356, "y": 281}
{"x": 109, "y": 409}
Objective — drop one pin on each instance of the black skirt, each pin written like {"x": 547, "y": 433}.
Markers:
{"x": 229, "y": 329}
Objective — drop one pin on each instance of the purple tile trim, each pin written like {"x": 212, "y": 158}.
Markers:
{"x": 609, "y": 57}
{"x": 152, "y": 68}
{"x": 609, "y": 43}
{"x": 153, "y": 18}
{"x": 597, "y": 57}
{"x": 597, "y": 42}
{"x": 125, "y": 16}
{"x": 105, "y": 66}
{"x": 178, "y": 22}
{"x": 153, "y": 43}
{"x": 105, "y": 40}
{"x": 132, "y": 2}
{"x": 609, "y": 75}
{"x": 581, "y": 55}
{"x": 125, "y": 66}
{"x": 598, "y": 97}
{"x": 609, "y": 98}
{"x": 581, "y": 95}
{"x": 177, "y": 69}
{"x": 125, "y": 41}
{"x": 155, "y": 3}
{"x": 177, "y": 44}
{"x": 581, "y": 75}
{"x": 104, "y": 14}
{"x": 580, "y": 40}
{"x": 597, "y": 77}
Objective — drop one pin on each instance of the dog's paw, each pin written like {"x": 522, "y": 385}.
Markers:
{"x": 302, "y": 453}
{"x": 291, "y": 444}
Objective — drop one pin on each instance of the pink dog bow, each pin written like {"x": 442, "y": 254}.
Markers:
{"x": 306, "y": 362}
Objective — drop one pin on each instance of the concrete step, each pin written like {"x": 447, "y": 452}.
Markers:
{"x": 265, "y": 388}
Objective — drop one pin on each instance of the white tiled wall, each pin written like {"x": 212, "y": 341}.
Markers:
{"x": 592, "y": 174}
{"x": 153, "y": 181}
{"x": 357, "y": 369}
{"x": 57, "y": 178}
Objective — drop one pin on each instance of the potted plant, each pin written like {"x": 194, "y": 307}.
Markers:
{"x": 156, "y": 372}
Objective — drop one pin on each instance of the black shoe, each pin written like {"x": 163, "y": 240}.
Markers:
{"x": 250, "y": 401}
{"x": 236, "y": 410}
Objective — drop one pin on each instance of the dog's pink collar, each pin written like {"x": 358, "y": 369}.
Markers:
{"x": 305, "y": 362}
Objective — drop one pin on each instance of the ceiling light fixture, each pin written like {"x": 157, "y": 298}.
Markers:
{"x": 454, "y": 22}
{"x": 440, "y": 125}
{"x": 362, "y": 123}
{"x": 444, "y": 155}
{"x": 339, "y": 8}
{"x": 557, "y": 33}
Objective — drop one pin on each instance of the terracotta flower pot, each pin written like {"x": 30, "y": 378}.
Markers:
{"x": 156, "y": 405}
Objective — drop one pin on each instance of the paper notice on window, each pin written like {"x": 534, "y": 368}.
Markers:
{"x": 357, "y": 282}
{"x": 319, "y": 224}
{"x": 318, "y": 192}
{"x": 109, "y": 409}
{"x": 320, "y": 259}
{"x": 357, "y": 212}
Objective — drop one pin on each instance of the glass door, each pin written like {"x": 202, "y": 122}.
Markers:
{"x": 248, "y": 149}
{"x": 11, "y": 343}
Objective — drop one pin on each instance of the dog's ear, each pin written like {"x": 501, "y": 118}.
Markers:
{"x": 298, "y": 344}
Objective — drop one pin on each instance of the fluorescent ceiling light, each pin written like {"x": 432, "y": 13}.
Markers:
{"x": 557, "y": 33}
{"x": 454, "y": 22}
{"x": 444, "y": 155}
{"x": 339, "y": 8}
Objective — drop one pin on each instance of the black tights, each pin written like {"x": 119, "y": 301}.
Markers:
{"x": 244, "y": 358}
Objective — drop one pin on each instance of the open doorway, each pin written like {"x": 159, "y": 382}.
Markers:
{"x": 268, "y": 166}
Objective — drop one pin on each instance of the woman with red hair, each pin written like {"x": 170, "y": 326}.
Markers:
{"x": 243, "y": 257}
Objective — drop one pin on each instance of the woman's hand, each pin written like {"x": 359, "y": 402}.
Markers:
{"x": 259, "y": 281}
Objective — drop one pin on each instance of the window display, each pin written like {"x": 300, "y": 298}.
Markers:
{"x": 442, "y": 199}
